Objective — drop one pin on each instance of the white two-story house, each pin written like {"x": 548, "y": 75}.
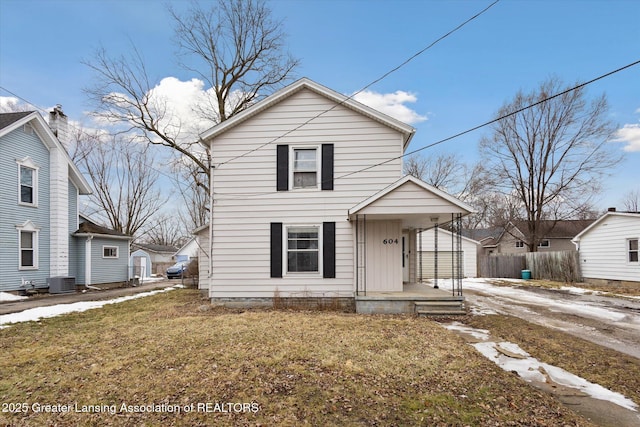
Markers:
{"x": 310, "y": 201}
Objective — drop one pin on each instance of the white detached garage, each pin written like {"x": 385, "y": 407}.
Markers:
{"x": 446, "y": 256}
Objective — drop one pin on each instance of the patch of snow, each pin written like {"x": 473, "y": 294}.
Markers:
{"x": 564, "y": 306}
{"x": 481, "y": 334}
{"x": 35, "y": 314}
{"x": 6, "y": 297}
{"x": 531, "y": 369}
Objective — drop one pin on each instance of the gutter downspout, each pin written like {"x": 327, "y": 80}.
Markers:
{"x": 210, "y": 278}
{"x": 87, "y": 265}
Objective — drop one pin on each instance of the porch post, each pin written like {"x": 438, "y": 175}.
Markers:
{"x": 435, "y": 254}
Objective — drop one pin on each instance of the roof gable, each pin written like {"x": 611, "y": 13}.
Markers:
{"x": 596, "y": 223}
{"x": 13, "y": 121}
{"x": 302, "y": 84}
{"x": 410, "y": 184}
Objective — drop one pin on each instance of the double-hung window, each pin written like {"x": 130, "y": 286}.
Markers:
{"x": 303, "y": 252}
{"x": 305, "y": 168}
{"x": 27, "y": 182}
{"x": 632, "y": 249}
{"x": 28, "y": 249}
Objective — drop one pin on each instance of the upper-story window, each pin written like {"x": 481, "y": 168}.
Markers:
{"x": 519, "y": 244}
{"x": 305, "y": 168}
{"x": 27, "y": 182}
{"x": 632, "y": 247}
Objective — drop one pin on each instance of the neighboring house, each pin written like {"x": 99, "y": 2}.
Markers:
{"x": 556, "y": 236}
{"x": 202, "y": 234}
{"x": 609, "y": 248}
{"x": 486, "y": 237}
{"x": 447, "y": 249}
{"x": 102, "y": 254}
{"x": 293, "y": 217}
{"x": 161, "y": 256}
{"x": 139, "y": 264}
{"x": 39, "y": 190}
{"x": 188, "y": 251}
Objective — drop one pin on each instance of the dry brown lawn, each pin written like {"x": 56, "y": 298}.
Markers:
{"x": 296, "y": 368}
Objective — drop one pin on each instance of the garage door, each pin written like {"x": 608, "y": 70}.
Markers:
{"x": 446, "y": 262}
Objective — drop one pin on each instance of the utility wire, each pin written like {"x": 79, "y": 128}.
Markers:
{"x": 549, "y": 98}
{"x": 385, "y": 75}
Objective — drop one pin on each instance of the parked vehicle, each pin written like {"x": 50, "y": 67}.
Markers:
{"x": 176, "y": 270}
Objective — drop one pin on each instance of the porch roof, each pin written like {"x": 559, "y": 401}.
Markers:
{"x": 416, "y": 203}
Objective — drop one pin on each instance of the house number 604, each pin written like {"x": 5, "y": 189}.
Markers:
{"x": 390, "y": 241}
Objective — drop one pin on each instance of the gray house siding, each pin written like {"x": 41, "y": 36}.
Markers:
{"x": 74, "y": 246}
{"x": 109, "y": 270}
{"x": 79, "y": 262}
{"x": 15, "y": 146}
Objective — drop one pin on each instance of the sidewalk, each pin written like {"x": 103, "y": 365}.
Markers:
{"x": 45, "y": 300}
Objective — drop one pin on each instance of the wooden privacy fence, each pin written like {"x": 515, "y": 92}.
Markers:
{"x": 562, "y": 266}
{"x": 507, "y": 265}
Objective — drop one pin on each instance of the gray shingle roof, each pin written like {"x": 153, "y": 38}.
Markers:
{"x": 8, "y": 118}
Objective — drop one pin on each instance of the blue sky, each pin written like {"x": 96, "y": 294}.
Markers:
{"x": 459, "y": 83}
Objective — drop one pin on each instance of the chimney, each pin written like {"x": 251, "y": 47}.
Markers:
{"x": 58, "y": 124}
{"x": 611, "y": 210}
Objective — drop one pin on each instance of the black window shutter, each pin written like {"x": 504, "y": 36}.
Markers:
{"x": 282, "y": 160}
{"x": 329, "y": 250}
{"x": 327, "y": 167}
{"x": 276, "y": 249}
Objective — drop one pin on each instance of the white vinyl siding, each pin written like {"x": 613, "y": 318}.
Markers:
{"x": 604, "y": 249}
{"x": 247, "y": 200}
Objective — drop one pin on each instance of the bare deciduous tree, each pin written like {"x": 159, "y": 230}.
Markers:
{"x": 234, "y": 46}
{"x": 553, "y": 155}
{"x": 442, "y": 171}
{"x": 125, "y": 195}
{"x": 631, "y": 201}
{"x": 165, "y": 230}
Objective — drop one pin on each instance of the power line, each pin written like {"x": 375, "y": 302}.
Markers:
{"x": 459, "y": 134}
{"x": 385, "y": 75}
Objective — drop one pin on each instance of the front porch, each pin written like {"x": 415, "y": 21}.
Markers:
{"x": 415, "y": 298}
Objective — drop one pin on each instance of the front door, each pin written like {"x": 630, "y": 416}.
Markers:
{"x": 405, "y": 257}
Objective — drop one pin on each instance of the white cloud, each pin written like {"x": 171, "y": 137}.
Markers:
{"x": 392, "y": 104}
{"x": 629, "y": 133}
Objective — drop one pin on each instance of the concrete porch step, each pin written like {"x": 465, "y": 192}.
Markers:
{"x": 439, "y": 307}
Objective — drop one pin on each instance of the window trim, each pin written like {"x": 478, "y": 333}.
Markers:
{"x": 540, "y": 243}
{"x": 292, "y": 149}
{"x": 117, "y": 255}
{"x": 28, "y": 163}
{"x": 285, "y": 250}
{"x": 29, "y": 227}
{"x": 628, "y": 250}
